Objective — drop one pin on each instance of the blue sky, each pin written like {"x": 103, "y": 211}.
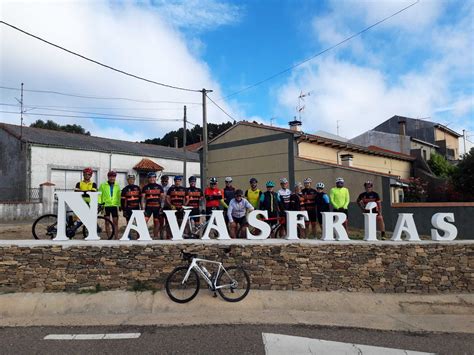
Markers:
{"x": 419, "y": 63}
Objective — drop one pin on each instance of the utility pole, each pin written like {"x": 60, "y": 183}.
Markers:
{"x": 21, "y": 112}
{"x": 204, "y": 142}
{"x": 464, "y": 139}
{"x": 184, "y": 147}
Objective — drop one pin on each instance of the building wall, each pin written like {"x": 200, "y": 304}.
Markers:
{"x": 390, "y": 141}
{"x": 429, "y": 150}
{"x": 246, "y": 152}
{"x": 380, "y": 164}
{"x": 452, "y": 142}
{"x": 44, "y": 159}
{"x": 13, "y": 168}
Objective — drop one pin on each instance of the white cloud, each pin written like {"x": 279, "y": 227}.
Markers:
{"x": 129, "y": 37}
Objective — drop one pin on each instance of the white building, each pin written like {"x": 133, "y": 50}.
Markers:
{"x": 32, "y": 156}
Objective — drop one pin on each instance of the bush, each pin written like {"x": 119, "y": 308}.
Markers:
{"x": 440, "y": 166}
{"x": 463, "y": 177}
{"x": 416, "y": 191}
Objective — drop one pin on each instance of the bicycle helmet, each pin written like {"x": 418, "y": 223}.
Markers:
{"x": 299, "y": 184}
{"x": 152, "y": 174}
{"x": 270, "y": 184}
{"x": 87, "y": 171}
{"x": 130, "y": 176}
{"x": 308, "y": 180}
{"x": 178, "y": 177}
{"x": 228, "y": 179}
{"x": 339, "y": 180}
{"x": 283, "y": 180}
{"x": 213, "y": 180}
{"x": 253, "y": 180}
{"x": 192, "y": 179}
{"x": 111, "y": 173}
{"x": 368, "y": 183}
{"x": 239, "y": 192}
{"x": 163, "y": 177}
{"x": 320, "y": 185}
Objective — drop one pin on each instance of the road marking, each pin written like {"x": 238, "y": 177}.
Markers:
{"x": 279, "y": 344}
{"x": 104, "y": 336}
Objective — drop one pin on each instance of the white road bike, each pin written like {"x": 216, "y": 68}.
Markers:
{"x": 182, "y": 285}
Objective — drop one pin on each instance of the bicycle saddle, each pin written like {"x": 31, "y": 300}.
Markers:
{"x": 188, "y": 256}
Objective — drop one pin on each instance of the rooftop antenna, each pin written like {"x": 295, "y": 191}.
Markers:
{"x": 301, "y": 105}
{"x": 21, "y": 111}
{"x": 271, "y": 120}
{"x": 337, "y": 126}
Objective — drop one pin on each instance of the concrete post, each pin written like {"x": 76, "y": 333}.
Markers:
{"x": 47, "y": 197}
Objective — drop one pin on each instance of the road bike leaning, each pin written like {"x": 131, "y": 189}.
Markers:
{"x": 182, "y": 285}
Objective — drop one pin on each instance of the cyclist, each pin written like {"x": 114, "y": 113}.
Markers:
{"x": 253, "y": 194}
{"x": 284, "y": 193}
{"x": 296, "y": 198}
{"x": 152, "y": 195}
{"x": 270, "y": 202}
{"x": 176, "y": 197}
{"x": 110, "y": 198}
{"x": 322, "y": 202}
{"x": 165, "y": 183}
{"x": 86, "y": 184}
{"x": 194, "y": 196}
{"x": 340, "y": 198}
{"x": 131, "y": 196}
{"x": 214, "y": 196}
{"x": 238, "y": 207}
{"x": 229, "y": 193}
{"x": 309, "y": 196}
{"x": 371, "y": 196}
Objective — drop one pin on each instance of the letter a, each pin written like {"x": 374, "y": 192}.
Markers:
{"x": 405, "y": 223}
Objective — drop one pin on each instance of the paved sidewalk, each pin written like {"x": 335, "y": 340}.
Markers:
{"x": 401, "y": 312}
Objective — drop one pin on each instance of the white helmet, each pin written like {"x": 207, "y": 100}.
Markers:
{"x": 372, "y": 207}
{"x": 308, "y": 180}
{"x": 339, "y": 179}
{"x": 228, "y": 179}
{"x": 283, "y": 180}
{"x": 320, "y": 185}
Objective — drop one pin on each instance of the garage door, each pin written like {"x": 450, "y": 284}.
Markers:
{"x": 121, "y": 179}
{"x": 67, "y": 179}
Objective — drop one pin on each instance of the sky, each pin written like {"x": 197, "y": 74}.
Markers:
{"x": 419, "y": 63}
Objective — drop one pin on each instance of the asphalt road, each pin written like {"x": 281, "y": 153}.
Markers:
{"x": 215, "y": 339}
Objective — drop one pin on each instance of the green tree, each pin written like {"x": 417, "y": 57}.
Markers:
{"x": 51, "y": 125}
{"x": 440, "y": 166}
{"x": 463, "y": 178}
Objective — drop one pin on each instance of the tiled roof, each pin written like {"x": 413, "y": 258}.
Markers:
{"x": 194, "y": 147}
{"x": 374, "y": 147}
{"x": 147, "y": 165}
{"x": 62, "y": 139}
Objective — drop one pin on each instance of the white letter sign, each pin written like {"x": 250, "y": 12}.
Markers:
{"x": 258, "y": 224}
{"x": 292, "y": 222}
{"x": 217, "y": 222}
{"x": 333, "y": 222}
{"x": 177, "y": 231}
{"x": 450, "y": 230}
{"x": 137, "y": 223}
{"x": 405, "y": 223}
{"x": 370, "y": 226}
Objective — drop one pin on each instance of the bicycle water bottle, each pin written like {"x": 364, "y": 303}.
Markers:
{"x": 206, "y": 272}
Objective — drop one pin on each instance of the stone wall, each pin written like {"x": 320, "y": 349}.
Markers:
{"x": 424, "y": 267}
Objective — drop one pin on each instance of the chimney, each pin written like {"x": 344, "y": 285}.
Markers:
{"x": 346, "y": 159}
{"x": 295, "y": 125}
{"x": 176, "y": 142}
{"x": 402, "y": 127}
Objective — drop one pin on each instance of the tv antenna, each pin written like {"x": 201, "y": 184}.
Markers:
{"x": 301, "y": 106}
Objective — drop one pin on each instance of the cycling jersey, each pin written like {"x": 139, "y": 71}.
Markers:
{"x": 194, "y": 194}
{"x": 177, "y": 195}
{"x": 322, "y": 201}
{"x": 213, "y": 197}
{"x": 253, "y": 196}
{"x": 309, "y": 195}
{"x": 152, "y": 195}
{"x": 270, "y": 201}
{"x": 86, "y": 186}
{"x": 296, "y": 202}
{"x": 285, "y": 197}
{"x": 339, "y": 197}
{"x": 110, "y": 194}
{"x": 131, "y": 195}
{"x": 229, "y": 193}
{"x": 366, "y": 197}
{"x": 238, "y": 209}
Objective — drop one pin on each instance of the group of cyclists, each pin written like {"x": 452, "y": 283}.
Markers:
{"x": 154, "y": 198}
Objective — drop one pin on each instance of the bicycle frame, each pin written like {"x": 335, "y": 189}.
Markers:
{"x": 195, "y": 265}
{"x": 202, "y": 226}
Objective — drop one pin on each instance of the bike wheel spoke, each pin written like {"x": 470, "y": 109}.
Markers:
{"x": 45, "y": 227}
{"x": 235, "y": 284}
{"x": 180, "y": 291}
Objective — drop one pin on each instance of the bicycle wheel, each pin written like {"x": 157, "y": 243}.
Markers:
{"x": 45, "y": 227}
{"x": 235, "y": 282}
{"x": 177, "y": 290}
{"x": 105, "y": 228}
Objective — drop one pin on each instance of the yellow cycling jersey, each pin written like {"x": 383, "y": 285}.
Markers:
{"x": 86, "y": 186}
{"x": 253, "y": 197}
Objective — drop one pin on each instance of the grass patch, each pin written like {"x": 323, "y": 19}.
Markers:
{"x": 93, "y": 289}
{"x": 140, "y": 286}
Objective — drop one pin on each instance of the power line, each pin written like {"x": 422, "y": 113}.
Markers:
{"x": 100, "y": 97}
{"x": 220, "y": 108}
{"x": 82, "y": 112}
{"x": 101, "y": 118}
{"x": 318, "y": 54}
{"x": 99, "y": 63}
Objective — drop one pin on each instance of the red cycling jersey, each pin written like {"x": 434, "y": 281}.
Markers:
{"x": 213, "y": 197}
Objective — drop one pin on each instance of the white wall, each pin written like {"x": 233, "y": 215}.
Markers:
{"x": 43, "y": 159}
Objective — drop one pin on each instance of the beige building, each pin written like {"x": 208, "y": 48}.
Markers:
{"x": 268, "y": 153}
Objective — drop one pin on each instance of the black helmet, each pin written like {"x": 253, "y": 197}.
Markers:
{"x": 252, "y": 180}
{"x": 213, "y": 180}
{"x": 239, "y": 192}
{"x": 192, "y": 179}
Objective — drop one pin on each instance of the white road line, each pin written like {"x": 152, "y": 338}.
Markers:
{"x": 103, "y": 336}
{"x": 279, "y": 344}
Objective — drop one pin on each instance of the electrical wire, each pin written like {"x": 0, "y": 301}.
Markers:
{"x": 100, "y": 118}
{"x": 317, "y": 54}
{"x": 220, "y": 108}
{"x": 99, "y": 97}
{"x": 99, "y": 63}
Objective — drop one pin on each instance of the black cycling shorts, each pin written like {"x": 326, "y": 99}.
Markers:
{"x": 155, "y": 211}
{"x": 127, "y": 213}
{"x": 240, "y": 220}
{"x": 111, "y": 211}
{"x": 312, "y": 216}
{"x": 342, "y": 210}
